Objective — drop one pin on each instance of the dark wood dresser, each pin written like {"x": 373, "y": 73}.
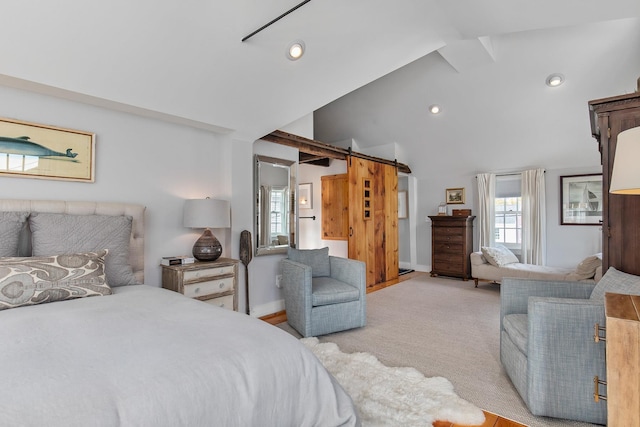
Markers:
{"x": 451, "y": 246}
{"x": 620, "y": 213}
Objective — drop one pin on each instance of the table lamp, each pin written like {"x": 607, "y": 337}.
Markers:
{"x": 207, "y": 213}
{"x": 625, "y": 176}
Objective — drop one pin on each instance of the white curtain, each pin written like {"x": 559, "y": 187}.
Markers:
{"x": 533, "y": 217}
{"x": 487, "y": 215}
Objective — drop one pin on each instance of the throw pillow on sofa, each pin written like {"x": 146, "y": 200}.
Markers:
{"x": 498, "y": 256}
{"x": 588, "y": 266}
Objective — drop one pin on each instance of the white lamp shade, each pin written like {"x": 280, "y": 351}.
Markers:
{"x": 625, "y": 177}
{"x": 206, "y": 213}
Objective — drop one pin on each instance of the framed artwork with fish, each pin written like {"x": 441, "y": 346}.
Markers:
{"x": 30, "y": 150}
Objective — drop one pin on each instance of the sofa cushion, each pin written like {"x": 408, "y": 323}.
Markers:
{"x": 498, "y": 255}
{"x": 10, "y": 225}
{"x": 54, "y": 234}
{"x": 616, "y": 281}
{"x": 325, "y": 291}
{"x": 317, "y": 259}
{"x": 517, "y": 327}
{"x": 587, "y": 267}
{"x": 37, "y": 280}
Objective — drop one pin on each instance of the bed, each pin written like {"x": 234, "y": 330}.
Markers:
{"x": 96, "y": 348}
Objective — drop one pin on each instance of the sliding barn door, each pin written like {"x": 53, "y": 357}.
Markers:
{"x": 373, "y": 218}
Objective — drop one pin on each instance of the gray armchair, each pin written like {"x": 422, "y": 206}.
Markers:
{"x": 322, "y": 293}
{"x": 547, "y": 346}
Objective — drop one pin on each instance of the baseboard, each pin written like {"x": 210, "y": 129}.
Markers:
{"x": 423, "y": 268}
{"x": 266, "y": 309}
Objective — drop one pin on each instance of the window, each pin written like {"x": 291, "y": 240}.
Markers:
{"x": 508, "y": 211}
{"x": 277, "y": 212}
{"x": 509, "y": 221}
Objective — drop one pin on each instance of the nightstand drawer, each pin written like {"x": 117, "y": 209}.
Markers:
{"x": 190, "y": 276}
{"x": 224, "y": 302}
{"x": 211, "y": 287}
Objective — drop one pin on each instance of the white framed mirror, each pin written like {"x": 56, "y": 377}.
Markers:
{"x": 274, "y": 207}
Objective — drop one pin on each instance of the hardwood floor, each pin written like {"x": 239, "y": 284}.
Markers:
{"x": 491, "y": 420}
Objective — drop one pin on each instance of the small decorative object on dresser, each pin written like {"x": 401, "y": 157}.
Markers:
{"x": 451, "y": 246}
{"x": 212, "y": 282}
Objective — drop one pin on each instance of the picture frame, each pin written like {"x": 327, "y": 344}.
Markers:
{"x": 581, "y": 199}
{"x": 402, "y": 205}
{"x": 305, "y": 196}
{"x": 454, "y": 196}
{"x": 31, "y": 150}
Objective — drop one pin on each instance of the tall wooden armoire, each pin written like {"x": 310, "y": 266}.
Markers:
{"x": 620, "y": 213}
{"x": 361, "y": 207}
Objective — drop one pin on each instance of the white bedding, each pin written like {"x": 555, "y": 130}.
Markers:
{"x": 146, "y": 356}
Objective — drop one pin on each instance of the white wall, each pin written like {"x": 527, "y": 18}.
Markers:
{"x": 138, "y": 160}
{"x": 264, "y": 297}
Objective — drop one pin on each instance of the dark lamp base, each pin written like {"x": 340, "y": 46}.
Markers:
{"x": 207, "y": 247}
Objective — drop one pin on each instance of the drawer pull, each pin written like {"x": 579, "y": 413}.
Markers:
{"x": 221, "y": 285}
{"x": 196, "y": 290}
{"x": 222, "y": 305}
{"x": 596, "y": 332}
{"x": 596, "y": 389}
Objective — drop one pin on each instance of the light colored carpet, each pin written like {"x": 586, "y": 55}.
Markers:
{"x": 393, "y": 396}
{"x": 443, "y": 327}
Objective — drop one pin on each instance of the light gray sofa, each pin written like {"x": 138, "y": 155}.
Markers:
{"x": 323, "y": 294}
{"x": 547, "y": 346}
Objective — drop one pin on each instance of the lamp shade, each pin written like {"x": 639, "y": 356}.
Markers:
{"x": 625, "y": 177}
{"x": 206, "y": 213}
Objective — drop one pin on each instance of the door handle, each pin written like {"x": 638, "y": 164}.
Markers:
{"x": 350, "y": 231}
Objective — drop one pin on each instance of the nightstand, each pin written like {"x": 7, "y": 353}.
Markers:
{"x": 212, "y": 282}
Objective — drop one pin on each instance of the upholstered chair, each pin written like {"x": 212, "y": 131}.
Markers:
{"x": 322, "y": 293}
{"x": 547, "y": 342}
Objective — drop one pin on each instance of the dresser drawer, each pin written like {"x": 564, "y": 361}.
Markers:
{"x": 448, "y": 237}
{"x": 193, "y": 275}
{"x": 224, "y": 302}
{"x": 448, "y": 248}
{"x": 210, "y": 287}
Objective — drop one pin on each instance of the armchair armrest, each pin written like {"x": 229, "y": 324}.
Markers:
{"x": 297, "y": 289}
{"x": 350, "y": 271}
{"x": 562, "y": 356}
{"x": 515, "y": 292}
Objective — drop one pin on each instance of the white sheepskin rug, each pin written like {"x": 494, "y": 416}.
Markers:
{"x": 388, "y": 396}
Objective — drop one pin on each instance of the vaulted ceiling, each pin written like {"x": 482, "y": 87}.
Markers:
{"x": 184, "y": 61}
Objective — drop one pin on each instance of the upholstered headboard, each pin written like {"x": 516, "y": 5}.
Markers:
{"x": 136, "y": 246}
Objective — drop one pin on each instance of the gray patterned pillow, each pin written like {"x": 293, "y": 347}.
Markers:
{"x": 63, "y": 233}
{"x": 10, "y": 225}
{"x": 318, "y": 259}
{"x": 37, "y": 280}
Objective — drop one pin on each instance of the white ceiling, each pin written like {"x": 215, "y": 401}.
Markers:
{"x": 184, "y": 61}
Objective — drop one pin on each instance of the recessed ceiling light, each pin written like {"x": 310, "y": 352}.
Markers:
{"x": 295, "y": 50}
{"x": 555, "y": 79}
{"x": 435, "y": 109}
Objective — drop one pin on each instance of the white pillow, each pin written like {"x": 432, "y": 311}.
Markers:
{"x": 499, "y": 255}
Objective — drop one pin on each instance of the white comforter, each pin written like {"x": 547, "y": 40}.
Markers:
{"x": 150, "y": 357}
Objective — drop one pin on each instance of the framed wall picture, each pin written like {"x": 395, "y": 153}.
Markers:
{"x": 454, "y": 196}
{"x": 305, "y": 196}
{"x": 30, "y": 150}
{"x": 402, "y": 205}
{"x": 581, "y": 199}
